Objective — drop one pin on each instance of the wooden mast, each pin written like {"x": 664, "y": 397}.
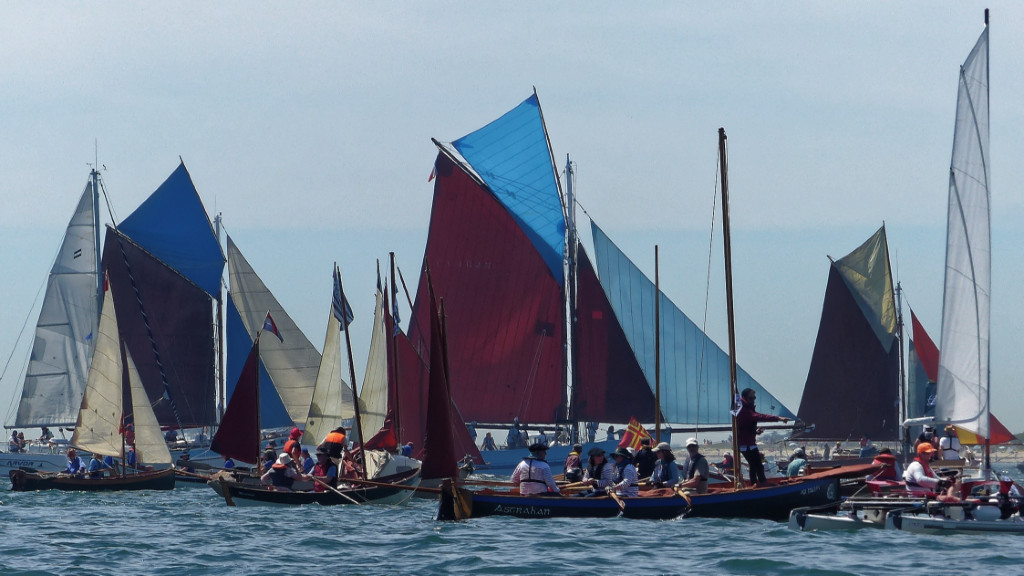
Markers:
{"x": 724, "y": 163}
{"x": 397, "y": 424}
{"x": 351, "y": 366}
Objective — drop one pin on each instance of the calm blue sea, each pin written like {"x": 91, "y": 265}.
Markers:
{"x": 189, "y": 531}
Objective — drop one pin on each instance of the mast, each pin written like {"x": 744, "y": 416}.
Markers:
{"x": 95, "y": 175}
{"x": 903, "y": 439}
{"x": 259, "y": 427}
{"x": 571, "y": 358}
{"x": 657, "y": 351}
{"x": 351, "y": 366}
{"x": 988, "y": 363}
{"x": 394, "y": 350}
{"x": 221, "y": 391}
{"x": 723, "y": 160}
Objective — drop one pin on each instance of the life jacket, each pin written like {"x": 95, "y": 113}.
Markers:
{"x": 644, "y": 462}
{"x": 595, "y": 472}
{"x": 620, "y": 472}
{"x": 334, "y": 443}
{"x": 279, "y": 478}
{"x": 664, "y": 470}
{"x": 292, "y": 446}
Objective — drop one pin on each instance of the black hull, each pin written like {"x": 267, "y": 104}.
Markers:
{"x": 383, "y": 490}
{"x": 23, "y": 481}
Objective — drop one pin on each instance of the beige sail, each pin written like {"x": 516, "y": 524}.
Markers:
{"x": 99, "y": 418}
{"x": 373, "y": 396}
{"x": 149, "y": 442}
{"x": 332, "y": 398}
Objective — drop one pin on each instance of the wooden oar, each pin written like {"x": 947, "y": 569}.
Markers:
{"x": 618, "y": 500}
{"x": 682, "y": 492}
{"x": 192, "y": 474}
{"x": 389, "y": 485}
{"x": 335, "y": 490}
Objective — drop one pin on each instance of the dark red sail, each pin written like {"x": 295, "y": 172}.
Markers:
{"x": 853, "y": 383}
{"x": 440, "y": 459}
{"x": 239, "y": 432}
{"x": 611, "y": 385}
{"x": 167, "y": 323}
{"x": 504, "y": 307}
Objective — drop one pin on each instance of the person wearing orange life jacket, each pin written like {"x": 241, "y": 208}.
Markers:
{"x": 334, "y": 443}
{"x": 293, "y": 446}
{"x": 919, "y": 475}
{"x": 890, "y": 467}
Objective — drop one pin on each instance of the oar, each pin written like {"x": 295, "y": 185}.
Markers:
{"x": 396, "y": 485}
{"x": 681, "y": 492}
{"x": 335, "y": 490}
{"x": 618, "y": 500}
{"x": 192, "y": 474}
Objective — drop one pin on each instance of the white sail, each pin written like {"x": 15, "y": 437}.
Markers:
{"x": 99, "y": 418}
{"x": 373, "y": 396}
{"x": 150, "y": 446}
{"x": 332, "y": 397}
{"x": 64, "y": 339}
{"x": 962, "y": 394}
{"x": 293, "y": 363}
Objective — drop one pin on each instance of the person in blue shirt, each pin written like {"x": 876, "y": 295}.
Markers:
{"x": 666, "y": 471}
{"x": 76, "y": 466}
{"x": 97, "y": 466}
{"x": 307, "y": 461}
{"x": 407, "y": 450}
{"x": 228, "y": 463}
{"x": 131, "y": 457}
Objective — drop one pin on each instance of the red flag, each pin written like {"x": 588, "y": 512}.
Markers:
{"x": 635, "y": 432}
{"x": 433, "y": 174}
{"x": 270, "y": 326}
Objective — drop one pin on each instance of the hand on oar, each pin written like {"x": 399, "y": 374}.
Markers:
{"x": 333, "y": 489}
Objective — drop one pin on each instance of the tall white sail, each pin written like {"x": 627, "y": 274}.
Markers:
{"x": 293, "y": 362}
{"x": 962, "y": 395}
{"x": 65, "y": 333}
{"x": 150, "y": 446}
{"x": 99, "y": 418}
{"x": 332, "y": 398}
{"x": 373, "y": 396}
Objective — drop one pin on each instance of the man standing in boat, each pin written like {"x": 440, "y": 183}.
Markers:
{"x": 747, "y": 431}
{"x": 533, "y": 474}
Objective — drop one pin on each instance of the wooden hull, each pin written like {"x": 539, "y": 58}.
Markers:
{"x": 772, "y": 502}
{"x": 23, "y": 481}
{"x": 387, "y": 490}
{"x": 492, "y": 503}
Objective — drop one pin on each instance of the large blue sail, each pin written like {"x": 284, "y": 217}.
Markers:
{"x": 272, "y": 410}
{"x": 172, "y": 225}
{"x": 512, "y": 156}
{"x": 692, "y": 391}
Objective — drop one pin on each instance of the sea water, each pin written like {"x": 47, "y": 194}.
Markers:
{"x": 190, "y": 531}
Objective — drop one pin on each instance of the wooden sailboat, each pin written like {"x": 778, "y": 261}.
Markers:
{"x": 103, "y": 418}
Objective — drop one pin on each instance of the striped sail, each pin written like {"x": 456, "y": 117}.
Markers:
{"x": 962, "y": 392}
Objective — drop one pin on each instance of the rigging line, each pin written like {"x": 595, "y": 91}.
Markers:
{"x": 707, "y": 292}
{"x": 406, "y": 289}
{"x": 106, "y": 200}
{"x": 531, "y": 379}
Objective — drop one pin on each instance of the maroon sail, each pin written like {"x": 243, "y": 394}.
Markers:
{"x": 411, "y": 387}
{"x": 239, "y": 432}
{"x": 439, "y": 446}
{"x": 611, "y": 385}
{"x": 852, "y": 385}
{"x": 167, "y": 323}
{"x": 504, "y": 307}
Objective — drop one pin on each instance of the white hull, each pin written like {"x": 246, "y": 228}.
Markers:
{"x": 58, "y": 461}
{"x": 845, "y": 520}
{"x": 922, "y": 524}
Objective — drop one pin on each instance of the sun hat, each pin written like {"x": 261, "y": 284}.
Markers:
{"x": 692, "y": 442}
{"x": 621, "y": 451}
{"x": 282, "y": 462}
{"x": 538, "y": 446}
{"x": 596, "y": 451}
{"x": 664, "y": 446}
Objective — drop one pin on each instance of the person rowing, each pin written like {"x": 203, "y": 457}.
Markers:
{"x": 533, "y": 475}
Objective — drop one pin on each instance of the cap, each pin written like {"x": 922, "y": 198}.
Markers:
{"x": 925, "y": 448}
{"x": 296, "y": 433}
{"x": 596, "y": 451}
{"x": 692, "y": 442}
{"x": 620, "y": 451}
{"x": 538, "y": 446}
{"x": 663, "y": 446}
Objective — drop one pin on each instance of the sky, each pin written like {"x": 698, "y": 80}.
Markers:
{"x": 308, "y": 127}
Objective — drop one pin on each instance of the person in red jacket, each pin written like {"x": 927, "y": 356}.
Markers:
{"x": 747, "y": 431}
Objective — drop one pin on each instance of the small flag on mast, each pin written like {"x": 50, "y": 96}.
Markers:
{"x": 270, "y": 326}
{"x": 340, "y": 306}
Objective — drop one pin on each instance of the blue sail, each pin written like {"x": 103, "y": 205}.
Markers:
{"x": 691, "y": 393}
{"x": 272, "y": 411}
{"x": 172, "y": 225}
{"x": 512, "y": 156}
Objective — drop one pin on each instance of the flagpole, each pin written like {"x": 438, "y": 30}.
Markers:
{"x": 351, "y": 366}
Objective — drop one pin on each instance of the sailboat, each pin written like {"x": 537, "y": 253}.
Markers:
{"x": 62, "y": 351}
{"x": 239, "y": 433}
{"x": 856, "y": 359}
{"x": 504, "y": 253}
{"x": 103, "y": 418}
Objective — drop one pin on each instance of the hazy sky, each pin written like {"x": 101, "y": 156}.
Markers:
{"x": 308, "y": 126}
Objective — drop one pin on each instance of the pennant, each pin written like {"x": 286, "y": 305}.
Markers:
{"x": 270, "y": 326}
{"x": 433, "y": 173}
{"x": 339, "y": 304}
{"x": 635, "y": 432}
